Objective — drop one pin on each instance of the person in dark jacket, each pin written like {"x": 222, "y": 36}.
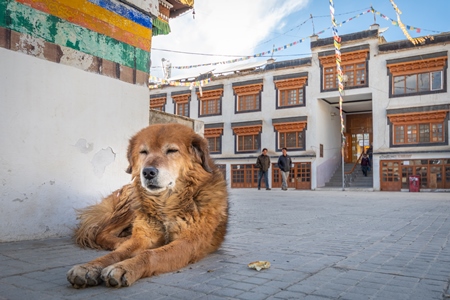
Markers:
{"x": 263, "y": 164}
{"x": 284, "y": 163}
{"x": 369, "y": 152}
{"x": 365, "y": 164}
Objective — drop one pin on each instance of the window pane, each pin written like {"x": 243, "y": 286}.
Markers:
{"x": 411, "y": 131}
{"x": 330, "y": 78}
{"x": 437, "y": 131}
{"x": 291, "y": 140}
{"x": 436, "y": 80}
{"x": 282, "y": 140}
{"x": 424, "y": 82}
{"x": 399, "y": 85}
{"x": 399, "y": 134}
{"x": 248, "y": 142}
{"x": 360, "y": 77}
{"x": 411, "y": 83}
{"x": 292, "y": 99}
{"x": 424, "y": 133}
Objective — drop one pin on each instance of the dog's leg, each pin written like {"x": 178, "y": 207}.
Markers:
{"x": 81, "y": 276}
{"x": 168, "y": 258}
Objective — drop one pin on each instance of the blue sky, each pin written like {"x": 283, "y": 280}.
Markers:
{"x": 225, "y": 30}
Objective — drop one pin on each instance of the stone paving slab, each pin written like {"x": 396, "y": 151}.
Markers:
{"x": 321, "y": 245}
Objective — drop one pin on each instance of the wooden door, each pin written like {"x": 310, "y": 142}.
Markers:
{"x": 302, "y": 175}
{"x": 390, "y": 176}
{"x": 358, "y": 136}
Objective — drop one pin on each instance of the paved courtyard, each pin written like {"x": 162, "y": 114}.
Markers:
{"x": 321, "y": 245}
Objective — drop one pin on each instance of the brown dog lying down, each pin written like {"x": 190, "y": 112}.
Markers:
{"x": 176, "y": 209}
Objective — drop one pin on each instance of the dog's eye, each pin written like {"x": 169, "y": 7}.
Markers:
{"x": 143, "y": 152}
{"x": 171, "y": 151}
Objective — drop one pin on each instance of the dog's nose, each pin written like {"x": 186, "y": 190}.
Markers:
{"x": 150, "y": 172}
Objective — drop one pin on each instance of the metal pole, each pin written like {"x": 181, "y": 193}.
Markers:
{"x": 342, "y": 162}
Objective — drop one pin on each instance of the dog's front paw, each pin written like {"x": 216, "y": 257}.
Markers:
{"x": 82, "y": 276}
{"x": 118, "y": 275}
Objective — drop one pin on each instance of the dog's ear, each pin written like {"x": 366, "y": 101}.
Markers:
{"x": 131, "y": 144}
{"x": 201, "y": 152}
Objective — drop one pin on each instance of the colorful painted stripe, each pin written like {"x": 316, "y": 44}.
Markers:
{"x": 25, "y": 19}
{"x": 98, "y": 18}
{"x": 125, "y": 11}
{"x": 74, "y": 16}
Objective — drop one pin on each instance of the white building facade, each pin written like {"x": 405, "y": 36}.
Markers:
{"x": 395, "y": 99}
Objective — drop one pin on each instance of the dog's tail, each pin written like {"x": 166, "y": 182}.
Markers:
{"x": 109, "y": 223}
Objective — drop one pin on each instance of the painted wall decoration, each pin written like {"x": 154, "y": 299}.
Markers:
{"x": 107, "y": 30}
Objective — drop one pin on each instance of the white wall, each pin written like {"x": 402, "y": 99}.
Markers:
{"x": 63, "y": 135}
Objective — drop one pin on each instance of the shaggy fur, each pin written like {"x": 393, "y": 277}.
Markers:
{"x": 176, "y": 208}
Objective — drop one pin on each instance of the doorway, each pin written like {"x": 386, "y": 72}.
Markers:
{"x": 358, "y": 136}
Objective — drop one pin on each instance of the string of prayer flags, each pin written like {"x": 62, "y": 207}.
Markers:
{"x": 340, "y": 75}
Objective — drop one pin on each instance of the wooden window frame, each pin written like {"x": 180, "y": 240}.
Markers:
{"x": 356, "y": 59}
{"x": 182, "y": 104}
{"x": 206, "y": 97}
{"x": 417, "y": 87}
{"x": 417, "y": 68}
{"x": 253, "y": 132}
{"x": 401, "y": 135}
{"x": 252, "y": 91}
{"x": 287, "y": 86}
{"x": 287, "y": 128}
{"x": 216, "y": 134}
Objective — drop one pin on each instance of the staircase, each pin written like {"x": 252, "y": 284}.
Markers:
{"x": 359, "y": 180}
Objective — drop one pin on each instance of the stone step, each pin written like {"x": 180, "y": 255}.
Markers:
{"x": 360, "y": 181}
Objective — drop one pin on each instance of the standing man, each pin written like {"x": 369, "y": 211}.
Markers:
{"x": 284, "y": 163}
{"x": 263, "y": 164}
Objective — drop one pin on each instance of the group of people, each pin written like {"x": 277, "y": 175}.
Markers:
{"x": 285, "y": 163}
{"x": 263, "y": 164}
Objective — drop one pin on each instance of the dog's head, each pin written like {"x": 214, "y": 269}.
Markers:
{"x": 161, "y": 155}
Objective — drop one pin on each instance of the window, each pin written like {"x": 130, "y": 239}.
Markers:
{"x": 214, "y": 144}
{"x": 354, "y": 68}
{"x": 248, "y": 102}
{"x": 247, "y": 138}
{"x": 157, "y": 103}
{"x": 210, "y": 102}
{"x": 291, "y": 140}
{"x": 182, "y": 104}
{"x": 247, "y": 142}
{"x": 417, "y": 83}
{"x": 419, "y": 76}
{"x": 354, "y": 74}
{"x": 248, "y": 97}
{"x": 419, "y": 133}
{"x": 214, "y": 138}
{"x": 291, "y": 135}
{"x": 182, "y": 109}
{"x": 290, "y": 92}
{"x": 418, "y": 128}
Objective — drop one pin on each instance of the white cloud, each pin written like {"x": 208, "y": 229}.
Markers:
{"x": 231, "y": 27}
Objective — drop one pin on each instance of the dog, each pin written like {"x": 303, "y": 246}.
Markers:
{"x": 173, "y": 213}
